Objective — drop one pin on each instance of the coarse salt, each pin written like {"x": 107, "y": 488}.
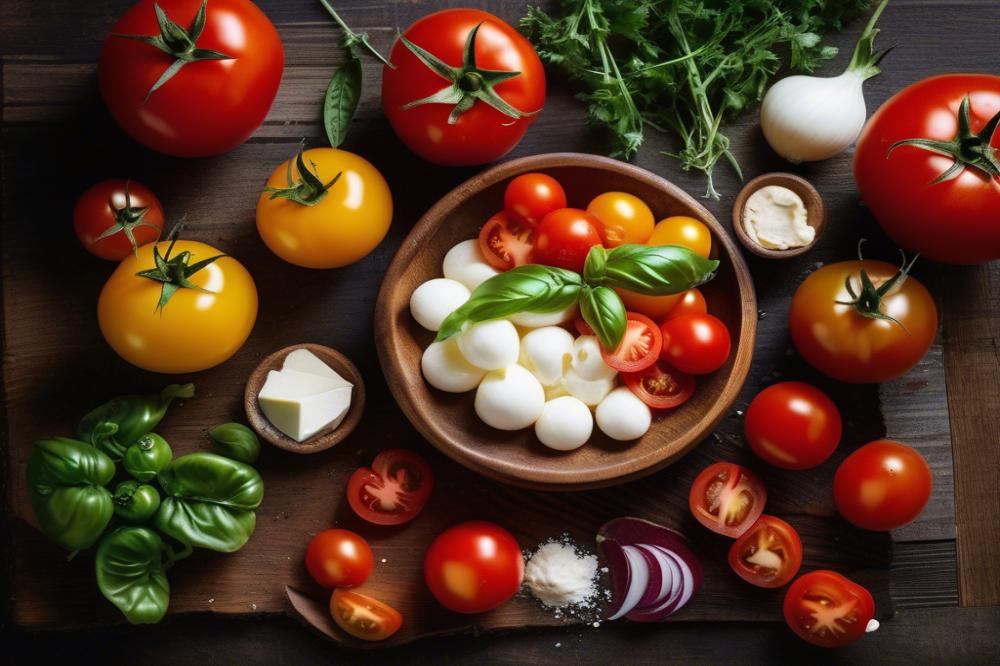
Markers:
{"x": 559, "y": 577}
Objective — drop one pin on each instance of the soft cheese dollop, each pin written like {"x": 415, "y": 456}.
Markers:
{"x": 775, "y": 217}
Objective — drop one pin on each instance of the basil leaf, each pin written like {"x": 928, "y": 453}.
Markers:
{"x": 131, "y": 575}
{"x": 655, "y": 271}
{"x": 341, "y": 99}
{"x": 604, "y": 312}
{"x": 529, "y": 288}
{"x": 593, "y": 267}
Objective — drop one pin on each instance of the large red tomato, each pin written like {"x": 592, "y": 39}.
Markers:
{"x": 458, "y": 106}
{"x": 230, "y": 66}
{"x": 937, "y": 192}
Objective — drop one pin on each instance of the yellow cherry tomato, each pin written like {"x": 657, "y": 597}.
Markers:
{"x": 196, "y": 328}
{"x": 342, "y": 226}
{"x": 684, "y": 231}
{"x": 626, "y": 218}
{"x": 653, "y": 307}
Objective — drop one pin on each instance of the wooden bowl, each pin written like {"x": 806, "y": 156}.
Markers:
{"x": 449, "y": 421}
{"x": 815, "y": 212}
{"x": 324, "y": 439}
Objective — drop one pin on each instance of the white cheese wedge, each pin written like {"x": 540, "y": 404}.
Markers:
{"x": 301, "y": 404}
{"x": 303, "y": 360}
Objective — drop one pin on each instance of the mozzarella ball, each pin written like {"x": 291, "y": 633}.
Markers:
{"x": 589, "y": 391}
{"x": 565, "y": 424}
{"x": 465, "y": 263}
{"x": 510, "y": 399}
{"x": 539, "y": 319}
{"x": 490, "y": 345}
{"x": 446, "y": 369}
{"x": 623, "y": 416}
{"x": 587, "y": 359}
{"x": 547, "y": 352}
{"x": 435, "y": 299}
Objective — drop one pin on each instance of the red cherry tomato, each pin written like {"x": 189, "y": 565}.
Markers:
{"x": 639, "y": 348}
{"x": 564, "y": 237}
{"x": 339, "y": 558}
{"x": 660, "y": 386}
{"x": 207, "y": 107}
{"x": 691, "y": 302}
{"x": 793, "y": 425}
{"x": 114, "y": 217}
{"x": 769, "y": 554}
{"x": 363, "y": 617}
{"x": 727, "y": 498}
{"x": 474, "y": 567}
{"x": 826, "y": 609}
{"x": 394, "y": 490}
{"x": 882, "y": 486}
{"x": 531, "y": 196}
{"x": 504, "y": 244}
{"x": 696, "y": 344}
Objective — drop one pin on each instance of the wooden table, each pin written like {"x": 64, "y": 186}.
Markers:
{"x": 946, "y": 565}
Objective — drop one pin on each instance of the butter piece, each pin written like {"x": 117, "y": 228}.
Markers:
{"x": 301, "y": 404}
{"x": 775, "y": 218}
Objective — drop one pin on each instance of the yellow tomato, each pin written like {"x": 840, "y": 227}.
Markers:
{"x": 343, "y": 226}
{"x": 626, "y": 218}
{"x": 684, "y": 231}
{"x": 196, "y": 329}
{"x": 653, "y": 307}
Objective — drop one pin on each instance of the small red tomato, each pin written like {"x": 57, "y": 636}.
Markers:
{"x": 363, "y": 617}
{"x": 639, "y": 348}
{"x": 504, "y": 244}
{"x": 826, "y": 609}
{"x": 394, "y": 490}
{"x": 531, "y": 196}
{"x": 114, "y": 217}
{"x": 793, "y": 425}
{"x": 769, "y": 554}
{"x": 474, "y": 567}
{"x": 660, "y": 386}
{"x": 339, "y": 558}
{"x": 564, "y": 237}
{"x": 727, "y": 498}
{"x": 695, "y": 343}
{"x": 882, "y": 486}
{"x": 691, "y": 302}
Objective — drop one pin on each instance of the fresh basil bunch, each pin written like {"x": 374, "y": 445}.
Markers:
{"x": 652, "y": 271}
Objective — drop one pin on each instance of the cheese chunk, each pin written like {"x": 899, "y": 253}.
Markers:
{"x": 303, "y": 360}
{"x": 300, "y": 404}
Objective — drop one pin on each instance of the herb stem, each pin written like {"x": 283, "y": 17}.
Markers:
{"x": 351, "y": 38}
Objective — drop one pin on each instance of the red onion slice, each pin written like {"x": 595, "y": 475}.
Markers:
{"x": 669, "y": 577}
{"x": 655, "y": 582}
{"x": 638, "y": 578}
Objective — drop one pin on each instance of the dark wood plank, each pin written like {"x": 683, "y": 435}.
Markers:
{"x": 924, "y": 574}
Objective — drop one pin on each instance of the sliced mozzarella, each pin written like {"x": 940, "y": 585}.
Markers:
{"x": 623, "y": 416}
{"x": 301, "y": 404}
{"x": 587, "y": 360}
{"x": 590, "y": 391}
{"x": 565, "y": 424}
{"x": 466, "y": 264}
{"x": 490, "y": 345}
{"x": 539, "y": 319}
{"x": 510, "y": 399}
{"x": 637, "y": 582}
{"x": 435, "y": 299}
{"x": 547, "y": 352}
{"x": 446, "y": 369}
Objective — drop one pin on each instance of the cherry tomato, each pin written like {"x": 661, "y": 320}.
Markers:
{"x": 696, "y": 343}
{"x": 882, "y": 486}
{"x": 531, "y": 196}
{"x": 114, "y": 217}
{"x": 727, "y": 498}
{"x": 792, "y": 425}
{"x": 207, "y": 107}
{"x": 474, "y": 567}
{"x": 639, "y": 348}
{"x": 690, "y": 302}
{"x": 564, "y": 237}
{"x": 364, "y": 617}
{"x": 443, "y": 133}
{"x": 769, "y": 554}
{"x": 826, "y": 609}
{"x": 339, "y": 558}
{"x": 651, "y": 306}
{"x": 394, "y": 490}
{"x": 504, "y": 244}
{"x": 684, "y": 231}
{"x": 841, "y": 342}
{"x": 660, "y": 386}
{"x": 626, "y": 218}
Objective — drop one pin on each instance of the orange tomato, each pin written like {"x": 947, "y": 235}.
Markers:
{"x": 626, "y": 218}
{"x": 689, "y": 302}
{"x": 653, "y": 307}
{"x": 684, "y": 231}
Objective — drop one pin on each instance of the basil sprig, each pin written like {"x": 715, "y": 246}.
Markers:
{"x": 652, "y": 271}
{"x": 341, "y": 99}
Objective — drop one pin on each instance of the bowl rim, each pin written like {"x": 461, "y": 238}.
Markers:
{"x": 505, "y": 470}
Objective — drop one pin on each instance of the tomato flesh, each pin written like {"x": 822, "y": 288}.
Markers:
{"x": 474, "y": 567}
{"x": 531, "y": 196}
{"x": 793, "y": 425}
{"x": 394, "y": 490}
{"x": 339, "y": 558}
{"x": 660, "y": 386}
{"x": 504, "y": 244}
{"x": 826, "y": 609}
{"x": 564, "y": 237}
{"x": 769, "y": 554}
{"x": 696, "y": 343}
{"x": 727, "y": 498}
{"x": 883, "y": 485}
{"x": 363, "y": 617}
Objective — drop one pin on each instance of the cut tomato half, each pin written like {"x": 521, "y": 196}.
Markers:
{"x": 394, "y": 490}
{"x": 826, "y": 609}
{"x": 504, "y": 244}
{"x": 727, "y": 498}
{"x": 364, "y": 617}
{"x": 639, "y": 348}
{"x": 660, "y": 386}
{"x": 769, "y": 554}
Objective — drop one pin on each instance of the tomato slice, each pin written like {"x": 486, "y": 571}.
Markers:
{"x": 639, "y": 348}
{"x": 660, "y": 386}
{"x": 826, "y": 609}
{"x": 769, "y": 554}
{"x": 505, "y": 244}
{"x": 727, "y": 498}
{"x": 364, "y": 617}
{"x": 394, "y": 490}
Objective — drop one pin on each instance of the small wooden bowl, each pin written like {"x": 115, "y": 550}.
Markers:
{"x": 449, "y": 420}
{"x": 324, "y": 439}
{"x": 815, "y": 212}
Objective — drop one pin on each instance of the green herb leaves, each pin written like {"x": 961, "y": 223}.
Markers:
{"x": 604, "y": 312}
{"x": 131, "y": 575}
{"x": 652, "y": 271}
{"x": 341, "y": 99}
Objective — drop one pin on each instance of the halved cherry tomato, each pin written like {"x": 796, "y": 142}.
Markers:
{"x": 793, "y": 425}
{"x": 626, "y": 218}
{"x": 474, "y": 567}
{"x": 696, "y": 344}
{"x": 769, "y": 554}
{"x": 531, "y": 196}
{"x": 364, "y": 617}
{"x": 339, "y": 558}
{"x": 826, "y": 609}
{"x": 505, "y": 244}
{"x": 639, "y": 348}
{"x": 882, "y": 486}
{"x": 691, "y": 302}
{"x": 727, "y": 498}
{"x": 564, "y": 237}
{"x": 394, "y": 490}
{"x": 684, "y": 231}
{"x": 660, "y": 386}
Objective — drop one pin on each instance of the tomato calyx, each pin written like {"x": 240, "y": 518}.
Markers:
{"x": 968, "y": 149}
{"x": 180, "y": 43}
{"x": 309, "y": 190}
{"x": 868, "y": 301}
{"x": 353, "y": 39}
{"x": 127, "y": 218}
{"x": 468, "y": 83}
{"x": 174, "y": 272}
